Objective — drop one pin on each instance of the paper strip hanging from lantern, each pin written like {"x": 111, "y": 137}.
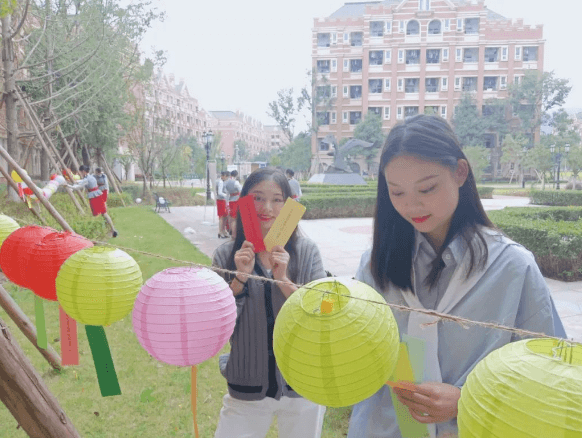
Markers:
{"x": 529, "y": 388}
{"x": 341, "y": 357}
{"x": 7, "y": 227}
{"x": 15, "y": 251}
{"x": 97, "y": 286}
{"x": 184, "y": 316}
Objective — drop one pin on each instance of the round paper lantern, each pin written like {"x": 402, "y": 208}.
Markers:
{"x": 98, "y": 285}
{"x": 46, "y": 258}
{"x": 529, "y": 388}
{"x": 184, "y": 316}
{"x": 332, "y": 349}
{"x": 15, "y": 251}
{"x": 7, "y": 226}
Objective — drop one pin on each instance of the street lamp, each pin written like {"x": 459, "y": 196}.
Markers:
{"x": 558, "y": 158}
{"x": 207, "y": 137}
{"x": 222, "y": 157}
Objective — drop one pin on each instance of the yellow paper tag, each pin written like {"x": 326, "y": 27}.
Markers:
{"x": 28, "y": 202}
{"x": 326, "y": 307}
{"x": 285, "y": 224}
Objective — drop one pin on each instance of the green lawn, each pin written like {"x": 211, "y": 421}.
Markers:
{"x": 167, "y": 411}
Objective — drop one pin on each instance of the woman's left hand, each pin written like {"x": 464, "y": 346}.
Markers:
{"x": 279, "y": 260}
{"x": 438, "y": 401}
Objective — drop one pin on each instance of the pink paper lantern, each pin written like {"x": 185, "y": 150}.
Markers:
{"x": 184, "y": 316}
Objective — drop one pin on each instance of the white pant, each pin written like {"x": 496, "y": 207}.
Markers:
{"x": 296, "y": 418}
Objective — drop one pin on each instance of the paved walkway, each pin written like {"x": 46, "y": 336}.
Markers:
{"x": 342, "y": 242}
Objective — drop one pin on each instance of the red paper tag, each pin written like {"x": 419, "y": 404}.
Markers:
{"x": 251, "y": 224}
{"x": 69, "y": 343}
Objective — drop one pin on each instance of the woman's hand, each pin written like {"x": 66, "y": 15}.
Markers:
{"x": 438, "y": 400}
{"x": 244, "y": 259}
{"x": 279, "y": 259}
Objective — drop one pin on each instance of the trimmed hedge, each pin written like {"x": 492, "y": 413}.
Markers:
{"x": 485, "y": 192}
{"x": 555, "y": 198}
{"x": 552, "y": 234}
{"x": 338, "y": 205}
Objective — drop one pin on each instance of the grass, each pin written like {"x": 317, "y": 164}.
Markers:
{"x": 155, "y": 400}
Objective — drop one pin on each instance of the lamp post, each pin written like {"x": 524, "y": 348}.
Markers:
{"x": 558, "y": 158}
{"x": 207, "y": 137}
{"x": 222, "y": 157}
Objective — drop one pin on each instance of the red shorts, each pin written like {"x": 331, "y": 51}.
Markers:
{"x": 232, "y": 208}
{"x": 98, "y": 205}
{"x": 221, "y": 207}
{"x": 104, "y": 195}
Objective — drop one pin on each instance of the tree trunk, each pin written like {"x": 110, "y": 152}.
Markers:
{"x": 86, "y": 156}
{"x": 26, "y": 396}
{"x": 9, "y": 97}
{"x": 44, "y": 165}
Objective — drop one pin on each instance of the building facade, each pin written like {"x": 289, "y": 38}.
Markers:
{"x": 398, "y": 58}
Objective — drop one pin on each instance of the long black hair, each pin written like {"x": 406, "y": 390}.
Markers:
{"x": 429, "y": 138}
{"x": 258, "y": 176}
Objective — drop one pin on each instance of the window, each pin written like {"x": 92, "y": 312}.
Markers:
{"x": 376, "y": 57}
{"x": 334, "y": 38}
{"x": 431, "y": 110}
{"x": 334, "y": 91}
{"x": 504, "y": 53}
{"x": 444, "y": 111}
{"x": 491, "y": 110}
{"x": 388, "y": 27}
{"x": 459, "y": 24}
{"x": 323, "y": 118}
{"x": 388, "y": 57}
{"x": 411, "y": 85}
{"x": 445, "y": 55}
{"x": 444, "y": 84}
{"x": 470, "y": 84}
{"x": 346, "y": 91}
{"x": 386, "y": 113}
{"x": 375, "y": 110}
{"x": 333, "y": 117}
{"x": 490, "y": 83}
{"x": 471, "y": 55}
{"x": 356, "y": 39}
{"x": 346, "y": 65}
{"x": 334, "y": 65}
{"x": 376, "y": 28}
{"x": 346, "y": 37}
{"x": 491, "y": 54}
{"x": 424, "y": 5}
{"x": 323, "y": 40}
{"x": 431, "y": 85}
{"x": 471, "y": 26}
{"x": 516, "y": 79}
{"x": 410, "y": 111}
{"x": 434, "y": 27}
{"x": 401, "y": 26}
{"x": 375, "y": 85}
{"x": 530, "y": 54}
{"x": 400, "y": 56}
{"x": 503, "y": 82}
{"x": 433, "y": 56}
{"x": 400, "y": 85}
{"x": 345, "y": 117}
{"x": 413, "y": 56}
{"x": 399, "y": 112}
{"x": 323, "y": 91}
{"x": 413, "y": 28}
{"x": 457, "y": 83}
{"x": 458, "y": 55}
{"x": 355, "y": 117}
{"x": 386, "y": 84}
{"x": 355, "y": 91}
{"x": 356, "y": 65}
{"x": 323, "y": 146}
{"x": 447, "y": 24}
{"x": 517, "y": 53}
{"x": 323, "y": 66}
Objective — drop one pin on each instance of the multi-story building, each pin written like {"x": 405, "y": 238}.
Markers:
{"x": 398, "y": 58}
{"x": 276, "y": 137}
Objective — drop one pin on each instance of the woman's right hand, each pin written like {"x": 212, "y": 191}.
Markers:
{"x": 244, "y": 259}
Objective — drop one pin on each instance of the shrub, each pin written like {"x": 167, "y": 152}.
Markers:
{"x": 553, "y": 235}
{"x": 114, "y": 199}
{"x": 555, "y": 198}
{"x": 485, "y": 192}
{"x": 338, "y": 205}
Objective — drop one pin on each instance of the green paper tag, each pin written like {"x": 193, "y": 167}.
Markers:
{"x": 41, "y": 339}
{"x": 106, "y": 376}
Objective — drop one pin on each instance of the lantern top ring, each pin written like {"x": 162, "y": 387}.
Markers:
{"x": 564, "y": 352}
{"x": 337, "y": 300}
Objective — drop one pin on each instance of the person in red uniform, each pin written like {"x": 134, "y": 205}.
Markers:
{"x": 233, "y": 188}
{"x": 102, "y": 182}
{"x": 96, "y": 198}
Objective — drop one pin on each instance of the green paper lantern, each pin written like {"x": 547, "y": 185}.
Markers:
{"x": 529, "y": 388}
{"x": 7, "y": 227}
{"x": 333, "y": 349}
{"x": 98, "y": 285}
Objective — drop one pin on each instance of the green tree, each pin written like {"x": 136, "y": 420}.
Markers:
{"x": 477, "y": 157}
{"x": 369, "y": 129}
{"x": 283, "y": 110}
{"x": 468, "y": 123}
{"x": 574, "y": 161}
{"x": 540, "y": 159}
{"x": 514, "y": 151}
{"x": 297, "y": 154}
{"x": 243, "y": 150}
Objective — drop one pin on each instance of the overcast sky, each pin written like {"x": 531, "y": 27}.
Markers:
{"x": 236, "y": 54}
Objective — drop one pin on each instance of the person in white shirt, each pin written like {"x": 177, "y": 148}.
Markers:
{"x": 233, "y": 188}
{"x": 295, "y": 188}
{"x": 222, "y": 205}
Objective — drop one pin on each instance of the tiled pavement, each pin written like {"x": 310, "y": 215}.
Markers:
{"x": 342, "y": 242}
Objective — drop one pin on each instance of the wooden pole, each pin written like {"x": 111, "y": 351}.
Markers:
{"x": 68, "y": 147}
{"x": 15, "y": 188}
{"x": 27, "y": 328}
{"x": 110, "y": 175}
{"x": 26, "y": 395}
{"x": 29, "y": 112}
{"x": 62, "y": 222}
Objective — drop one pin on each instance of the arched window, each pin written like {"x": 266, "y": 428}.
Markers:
{"x": 434, "y": 27}
{"x": 412, "y": 28}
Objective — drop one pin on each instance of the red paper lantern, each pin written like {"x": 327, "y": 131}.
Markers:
{"x": 15, "y": 252}
{"x": 47, "y": 257}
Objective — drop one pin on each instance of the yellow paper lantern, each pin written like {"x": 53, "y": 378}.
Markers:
{"x": 7, "y": 227}
{"x": 16, "y": 177}
{"x": 98, "y": 285}
{"x": 529, "y": 388}
{"x": 332, "y": 349}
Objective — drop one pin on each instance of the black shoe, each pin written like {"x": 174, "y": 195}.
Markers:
{"x": 114, "y": 234}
